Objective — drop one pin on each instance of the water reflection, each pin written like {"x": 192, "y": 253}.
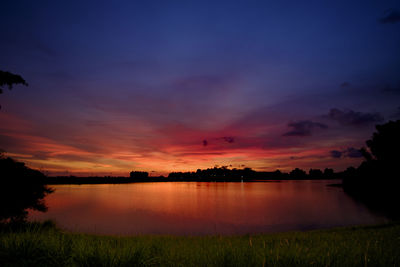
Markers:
{"x": 202, "y": 208}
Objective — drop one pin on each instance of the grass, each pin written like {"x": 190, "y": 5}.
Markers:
{"x": 43, "y": 244}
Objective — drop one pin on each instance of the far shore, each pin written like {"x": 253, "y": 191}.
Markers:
{"x": 126, "y": 180}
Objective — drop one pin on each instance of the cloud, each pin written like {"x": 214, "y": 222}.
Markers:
{"x": 390, "y": 16}
{"x": 344, "y": 84}
{"x": 205, "y": 142}
{"x": 28, "y": 42}
{"x": 390, "y": 89}
{"x": 350, "y": 117}
{"x": 397, "y": 113}
{"x": 349, "y": 152}
{"x": 352, "y": 152}
{"x": 336, "y": 154}
{"x": 304, "y": 128}
{"x": 228, "y": 139}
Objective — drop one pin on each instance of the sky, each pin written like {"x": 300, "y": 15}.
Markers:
{"x": 162, "y": 86}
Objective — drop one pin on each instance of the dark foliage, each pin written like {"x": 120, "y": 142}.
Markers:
{"x": 376, "y": 181}
{"x": 9, "y": 79}
{"x": 215, "y": 174}
{"x": 21, "y": 188}
{"x": 385, "y": 144}
{"x": 139, "y": 175}
{"x": 329, "y": 173}
{"x": 382, "y": 157}
{"x": 247, "y": 174}
{"x": 315, "y": 174}
{"x": 298, "y": 173}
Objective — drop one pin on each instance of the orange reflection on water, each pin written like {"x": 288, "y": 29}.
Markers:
{"x": 202, "y": 208}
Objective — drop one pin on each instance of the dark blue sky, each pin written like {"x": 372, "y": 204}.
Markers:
{"x": 128, "y": 84}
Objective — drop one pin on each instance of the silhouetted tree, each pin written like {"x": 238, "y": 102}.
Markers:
{"x": 385, "y": 143}
{"x": 298, "y": 174}
{"x": 247, "y": 174}
{"x": 328, "y": 173}
{"x": 21, "y": 188}
{"x": 139, "y": 175}
{"x": 376, "y": 181}
{"x": 9, "y": 79}
{"x": 315, "y": 174}
{"x": 383, "y": 154}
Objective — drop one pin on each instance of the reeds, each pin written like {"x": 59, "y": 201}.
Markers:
{"x": 45, "y": 245}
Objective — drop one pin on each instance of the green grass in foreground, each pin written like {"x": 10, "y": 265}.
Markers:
{"x": 45, "y": 245}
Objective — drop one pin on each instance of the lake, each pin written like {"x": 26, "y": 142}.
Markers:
{"x": 198, "y": 208}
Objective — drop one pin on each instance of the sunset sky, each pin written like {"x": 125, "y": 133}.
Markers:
{"x": 164, "y": 86}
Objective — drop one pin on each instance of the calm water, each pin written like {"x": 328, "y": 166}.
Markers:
{"x": 202, "y": 208}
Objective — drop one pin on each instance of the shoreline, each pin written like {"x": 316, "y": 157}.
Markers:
{"x": 388, "y": 223}
{"x": 127, "y": 180}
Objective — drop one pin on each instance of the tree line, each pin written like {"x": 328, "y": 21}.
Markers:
{"x": 247, "y": 174}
